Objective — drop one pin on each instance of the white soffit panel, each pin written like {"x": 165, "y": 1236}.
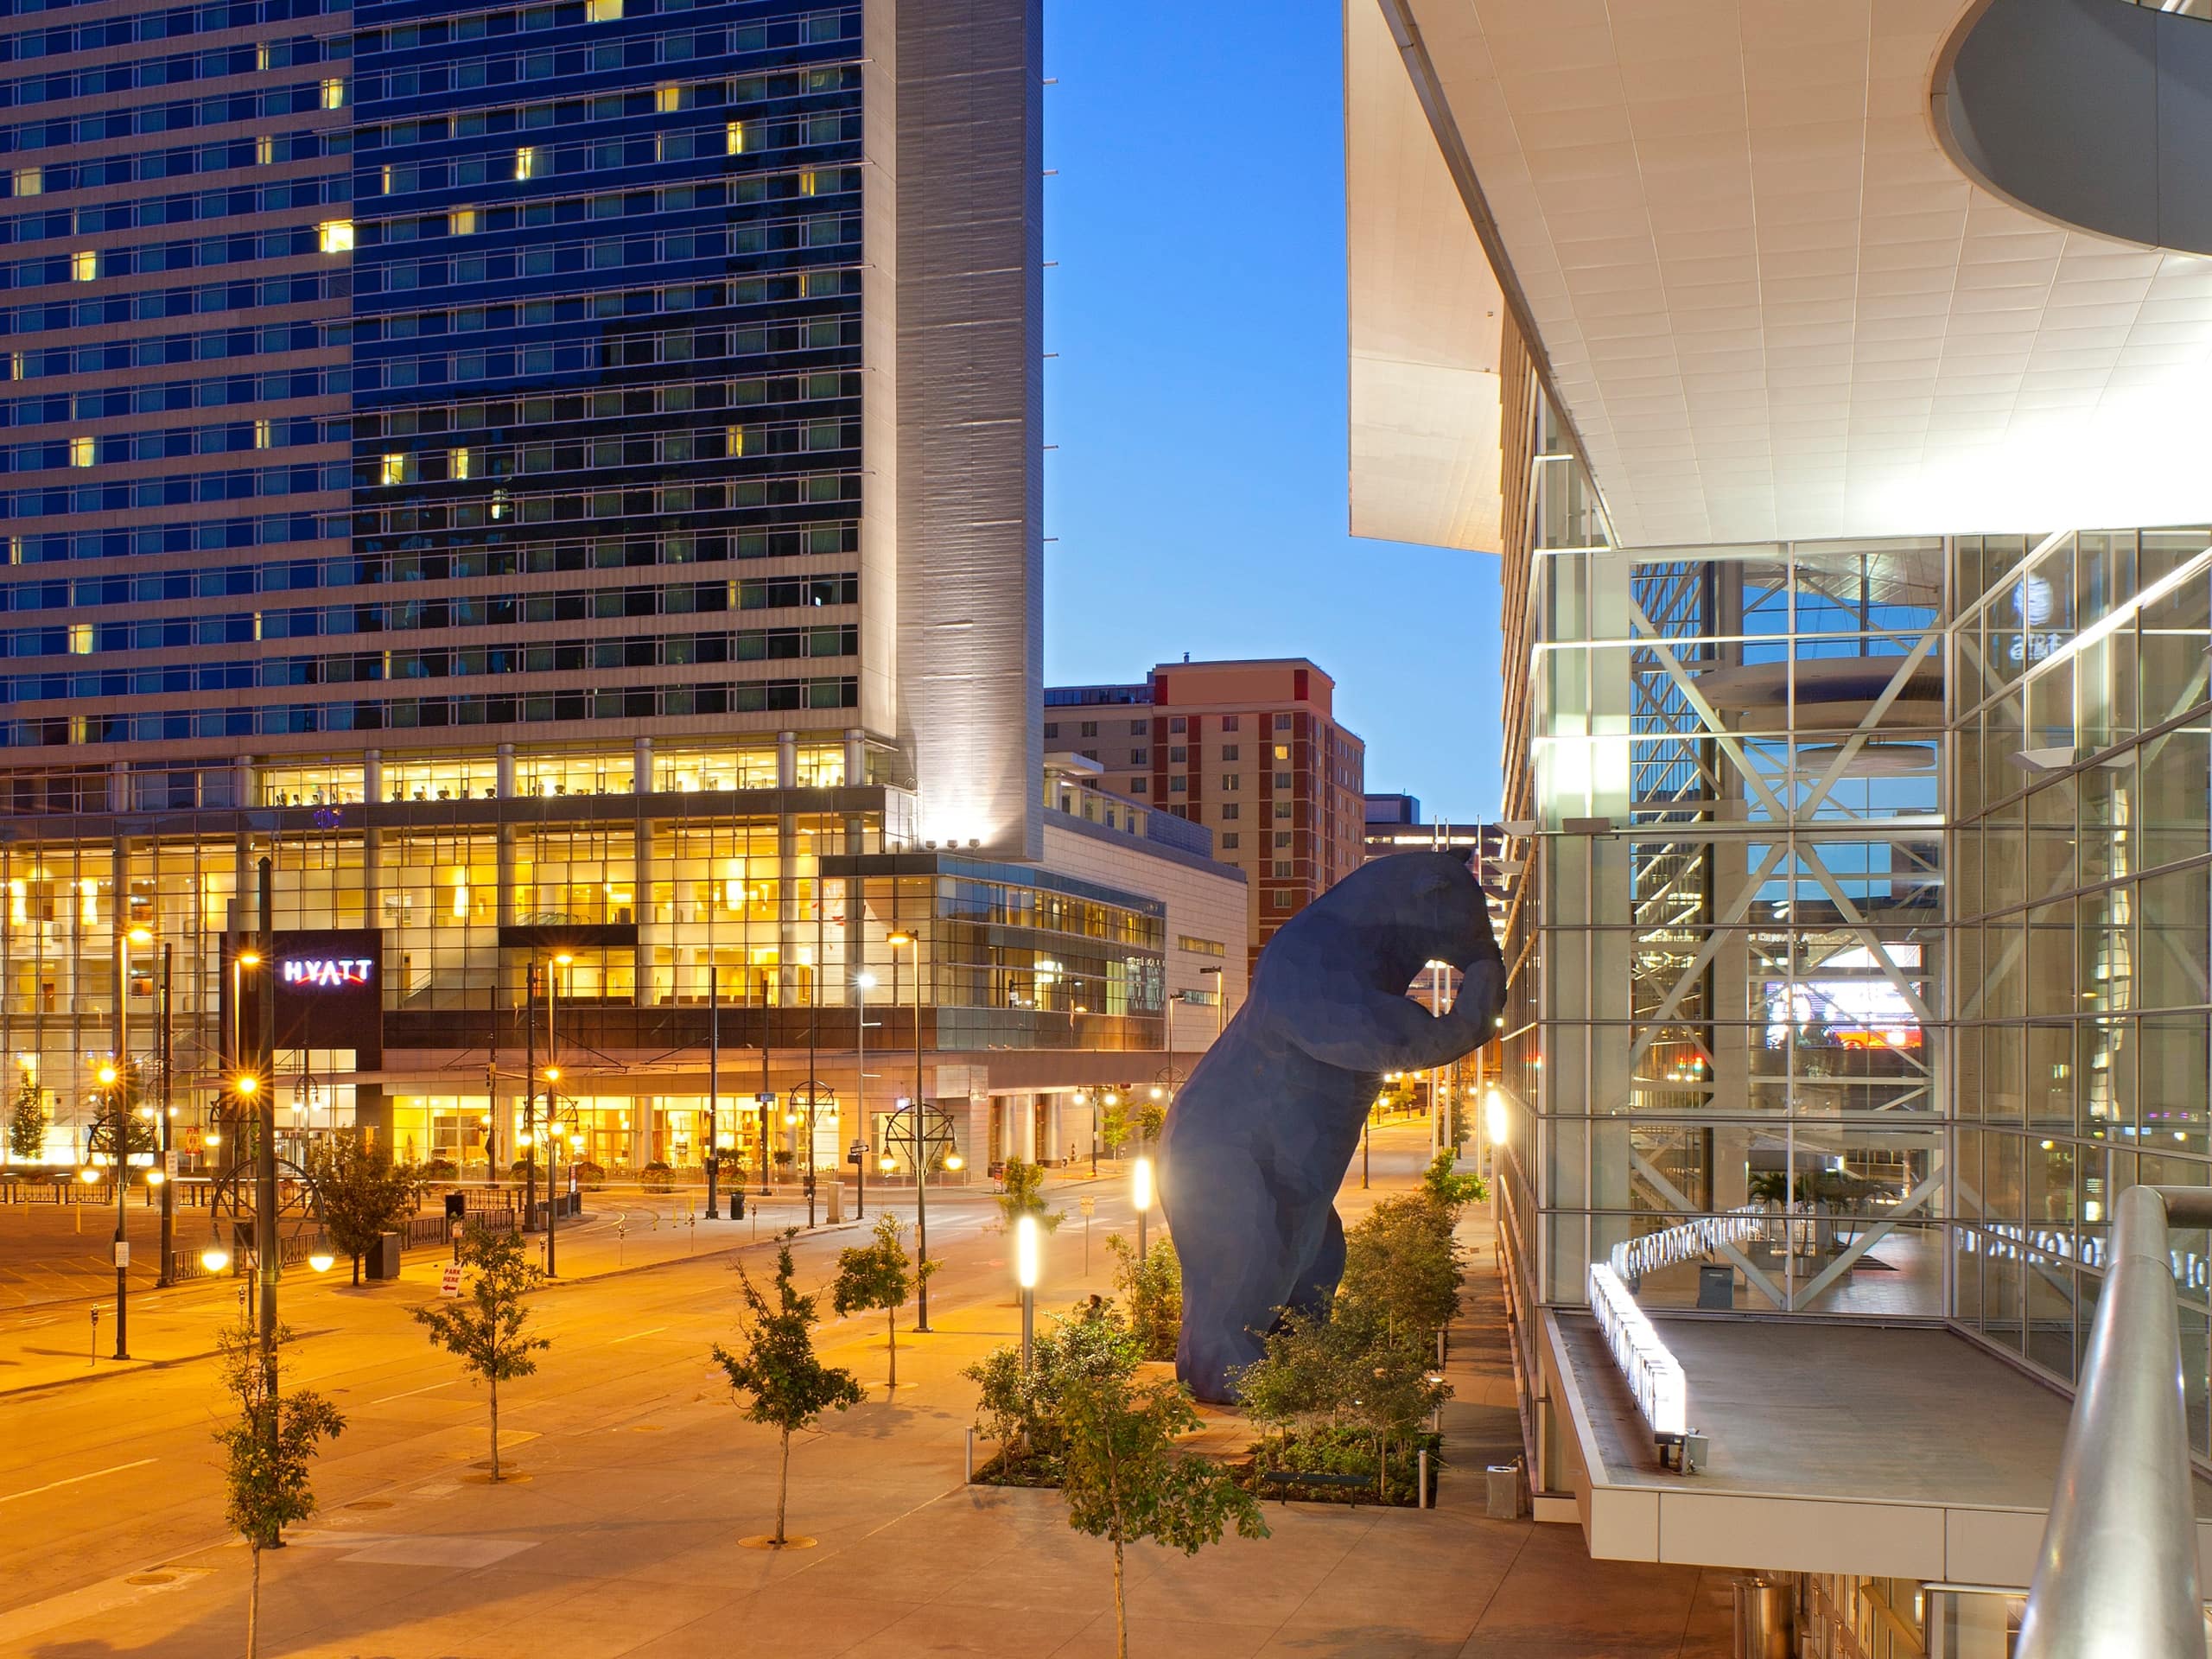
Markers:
{"x": 1425, "y": 312}
{"x": 1773, "y": 307}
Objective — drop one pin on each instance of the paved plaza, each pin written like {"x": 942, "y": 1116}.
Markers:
{"x": 641, "y": 1477}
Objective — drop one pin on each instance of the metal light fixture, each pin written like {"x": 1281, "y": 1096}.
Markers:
{"x": 214, "y": 1258}
{"x": 322, "y": 1261}
{"x": 1028, "y": 1260}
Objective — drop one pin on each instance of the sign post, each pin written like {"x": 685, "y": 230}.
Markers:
{"x": 1089, "y": 1205}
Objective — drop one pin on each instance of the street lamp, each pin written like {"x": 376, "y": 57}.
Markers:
{"x": 1220, "y": 998}
{"x": 1140, "y": 1185}
{"x": 1028, "y": 1252}
{"x": 561, "y": 959}
{"x": 119, "y": 1116}
{"x": 901, "y": 939}
{"x": 863, "y": 983}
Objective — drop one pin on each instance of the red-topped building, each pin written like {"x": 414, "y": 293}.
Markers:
{"x": 1252, "y": 750}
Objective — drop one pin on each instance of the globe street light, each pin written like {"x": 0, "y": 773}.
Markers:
{"x": 1028, "y": 1252}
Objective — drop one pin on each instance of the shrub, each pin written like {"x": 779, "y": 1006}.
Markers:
{"x": 1153, "y": 1290}
{"x": 1020, "y": 1410}
{"x": 1022, "y": 1193}
{"x": 1449, "y": 1189}
{"x": 1403, "y": 1264}
{"x": 589, "y": 1174}
{"x": 441, "y": 1169}
{"x": 657, "y": 1177}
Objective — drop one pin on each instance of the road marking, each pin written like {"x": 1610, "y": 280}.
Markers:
{"x": 425, "y": 1388}
{"x": 74, "y": 1479}
{"x": 634, "y": 1335}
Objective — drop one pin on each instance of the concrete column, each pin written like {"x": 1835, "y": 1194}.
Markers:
{"x": 656, "y": 988}
{"x": 856, "y": 756}
{"x": 641, "y": 769}
{"x": 505, "y": 777}
{"x": 1025, "y": 1126}
{"x": 371, "y": 877}
{"x": 373, "y": 776}
{"x": 119, "y": 787}
{"x": 787, "y": 927}
{"x": 242, "y": 781}
{"x": 1055, "y": 1126}
{"x": 504, "y": 835}
{"x": 786, "y": 760}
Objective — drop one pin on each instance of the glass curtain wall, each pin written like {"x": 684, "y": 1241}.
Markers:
{"x": 2083, "y": 921}
{"x": 1726, "y": 925}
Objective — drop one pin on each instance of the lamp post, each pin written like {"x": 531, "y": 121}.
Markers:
{"x": 1220, "y": 998}
{"x": 552, "y": 1075}
{"x": 1029, "y": 1250}
{"x": 714, "y": 1084}
{"x": 898, "y": 940}
{"x": 863, "y": 983}
{"x": 1140, "y": 1190}
{"x": 168, "y": 1128}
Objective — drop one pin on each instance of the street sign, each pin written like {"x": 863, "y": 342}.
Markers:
{"x": 1088, "y": 1205}
{"x": 122, "y": 1252}
{"x": 768, "y": 1099}
{"x": 168, "y": 1163}
{"x": 449, "y": 1282}
{"x": 196, "y": 1140}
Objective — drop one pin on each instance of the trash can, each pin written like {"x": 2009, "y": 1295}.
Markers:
{"x": 1766, "y": 1617}
{"x": 1504, "y": 1483}
{"x": 1716, "y": 1286}
{"x": 383, "y": 1259}
{"x": 737, "y": 1206}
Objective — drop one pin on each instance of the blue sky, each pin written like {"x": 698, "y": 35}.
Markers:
{"x": 1197, "y": 398}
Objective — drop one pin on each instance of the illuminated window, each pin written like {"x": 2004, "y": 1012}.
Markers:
{"x": 264, "y": 433}
{"x": 668, "y": 99}
{"x": 461, "y": 221}
{"x": 30, "y": 180}
{"x": 602, "y": 11}
{"x": 809, "y": 183}
{"x": 386, "y": 180}
{"x": 80, "y": 638}
{"x": 336, "y": 235}
{"x": 334, "y": 92}
{"x": 82, "y": 452}
{"x": 394, "y": 469}
{"x": 84, "y": 267}
{"x": 526, "y": 162}
{"x": 735, "y": 134}
{"x": 264, "y": 151}
{"x": 737, "y": 441}
{"x": 460, "y": 463}
{"x": 14, "y": 366}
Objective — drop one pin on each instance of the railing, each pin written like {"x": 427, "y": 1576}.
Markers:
{"x": 1635, "y": 1257}
{"x": 1654, "y": 1376}
{"x": 2116, "y": 1573}
{"x": 2179, "y": 7}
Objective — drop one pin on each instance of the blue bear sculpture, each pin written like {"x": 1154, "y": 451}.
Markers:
{"x": 1258, "y": 1141}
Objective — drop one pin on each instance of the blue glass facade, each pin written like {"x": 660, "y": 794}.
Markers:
{"x": 607, "y": 302}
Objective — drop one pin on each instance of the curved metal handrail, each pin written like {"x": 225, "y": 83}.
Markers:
{"x": 2116, "y": 1576}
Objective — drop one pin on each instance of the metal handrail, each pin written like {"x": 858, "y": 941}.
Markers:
{"x": 2116, "y": 1576}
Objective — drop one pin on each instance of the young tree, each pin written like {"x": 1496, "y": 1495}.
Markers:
{"x": 1024, "y": 1195}
{"x": 882, "y": 1275}
{"x": 1152, "y": 1117}
{"x": 776, "y": 1365}
{"x": 1125, "y": 1482}
{"x": 361, "y": 1192}
{"x": 1114, "y": 1126}
{"x": 27, "y": 1119}
{"x": 1020, "y": 1409}
{"x": 1402, "y": 1262}
{"x": 1449, "y": 1189}
{"x": 486, "y": 1325}
{"x": 1152, "y": 1288}
{"x": 269, "y": 1448}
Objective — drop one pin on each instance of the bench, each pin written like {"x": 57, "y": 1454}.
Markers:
{"x": 1286, "y": 1479}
